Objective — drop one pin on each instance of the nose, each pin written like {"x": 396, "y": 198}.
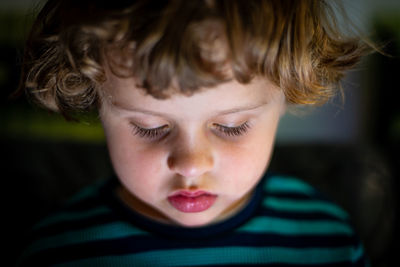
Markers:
{"x": 191, "y": 160}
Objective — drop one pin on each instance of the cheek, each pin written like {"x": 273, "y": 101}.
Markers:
{"x": 133, "y": 162}
{"x": 246, "y": 162}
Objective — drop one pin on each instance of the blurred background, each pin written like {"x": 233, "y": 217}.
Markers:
{"x": 349, "y": 150}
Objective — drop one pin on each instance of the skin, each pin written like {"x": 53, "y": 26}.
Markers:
{"x": 193, "y": 151}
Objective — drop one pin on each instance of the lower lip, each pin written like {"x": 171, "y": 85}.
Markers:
{"x": 192, "y": 204}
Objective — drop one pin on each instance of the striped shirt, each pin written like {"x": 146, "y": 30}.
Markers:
{"x": 286, "y": 223}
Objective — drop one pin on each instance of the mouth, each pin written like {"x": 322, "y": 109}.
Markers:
{"x": 192, "y": 201}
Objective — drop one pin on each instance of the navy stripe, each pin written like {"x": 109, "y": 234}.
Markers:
{"x": 299, "y": 196}
{"x": 336, "y": 264}
{"x": 264, "y": 212}
{"x": 143, "y": 243}
{"x": 314, "y": 256}
{"x": 304, "y": 206}
{"x": 225, "y": 255}
{"x": 67, "y": 226}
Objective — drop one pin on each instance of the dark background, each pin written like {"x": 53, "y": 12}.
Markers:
{"x": 352, "y": 157}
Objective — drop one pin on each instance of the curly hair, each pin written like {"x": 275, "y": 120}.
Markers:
{"x": 296, "y": 44}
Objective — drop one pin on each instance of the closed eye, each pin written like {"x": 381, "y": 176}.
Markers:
{"x": 150, "y": 133}
{"x": 162, "y": 131}
{"x": 233, "y": 131}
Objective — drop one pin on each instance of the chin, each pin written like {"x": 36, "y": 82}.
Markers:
{"x": 193, "y": 221}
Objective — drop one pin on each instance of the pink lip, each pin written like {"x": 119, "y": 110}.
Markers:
{"x": 192, "y": 201}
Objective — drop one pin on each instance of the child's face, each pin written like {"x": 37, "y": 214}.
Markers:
{"x": 180, "y": 159}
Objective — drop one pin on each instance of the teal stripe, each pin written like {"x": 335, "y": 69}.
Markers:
{"x": 71, "y": 216}
{"x": 286, "y": 184}
{"x": 290, "y": 205}
{"x": 358, "y": 253}
{"x": 223, "y": 255}
{"x": 83, "y": 194}
{"x": 103, "y": 232}
{"x": 86, "y": 192}
{"x": 268, "y": 225}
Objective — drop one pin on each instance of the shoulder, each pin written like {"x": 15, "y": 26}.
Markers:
{"x": 85, "y": 204}
{"x": 87, "y": 218}
{"x": 292, "y": 194}
{"x": 300, "y": 222}
{"x": 298, "y": 207}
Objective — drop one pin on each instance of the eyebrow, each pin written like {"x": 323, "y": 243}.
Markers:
{"x": 241, "y": 109}
{"x": 222, "y": 112}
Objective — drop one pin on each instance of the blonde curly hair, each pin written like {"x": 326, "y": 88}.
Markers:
{"x": 194, "y": 44}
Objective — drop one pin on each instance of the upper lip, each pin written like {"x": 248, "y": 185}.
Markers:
{"x": 189, "y": 193}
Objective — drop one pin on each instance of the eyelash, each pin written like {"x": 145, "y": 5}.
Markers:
{"x": 233, "y": 131}
{"x": 159, "y": 132}
{"x": 153, "y": 133}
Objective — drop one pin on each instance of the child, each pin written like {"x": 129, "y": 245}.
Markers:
{"x": 190, "y": 94}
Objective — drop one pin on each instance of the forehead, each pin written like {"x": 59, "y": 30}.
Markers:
{"x": 123, "y": 92}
